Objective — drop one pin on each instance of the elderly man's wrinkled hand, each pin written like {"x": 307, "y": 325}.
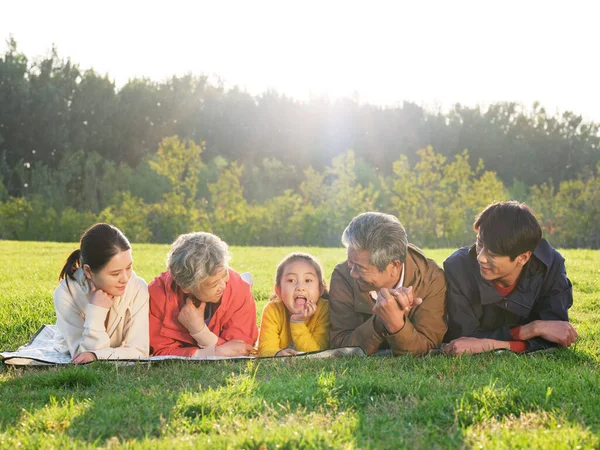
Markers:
{"x": 388, "y": 311}
{"x": 405, "y": 298}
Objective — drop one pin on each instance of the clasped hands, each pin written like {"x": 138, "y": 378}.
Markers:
{"x": 392, "y": 305}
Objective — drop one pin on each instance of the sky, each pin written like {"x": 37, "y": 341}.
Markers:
{"x": 433, "y": 53}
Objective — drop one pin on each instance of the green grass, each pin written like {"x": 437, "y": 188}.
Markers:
{"x": 548, "y": 400}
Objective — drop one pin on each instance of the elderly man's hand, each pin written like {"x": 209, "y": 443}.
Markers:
{"x": 405, "y": 298}
{"x": 192, "y": 317}
{"x": 388, "y": 310}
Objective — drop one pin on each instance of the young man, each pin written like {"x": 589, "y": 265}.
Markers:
{"x": 508, "y": 291}
{"x": 387, "y": 294}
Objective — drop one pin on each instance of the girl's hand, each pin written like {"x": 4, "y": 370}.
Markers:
{"x": 100, "y": 298}
{"x": 286, "y": 352}
{"x": 309, "y": 310}
{"x": 83, "y": 358}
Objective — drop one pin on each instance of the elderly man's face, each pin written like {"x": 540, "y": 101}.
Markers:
{"x": 211, "y": 289}
{"x": 367, "y": 276}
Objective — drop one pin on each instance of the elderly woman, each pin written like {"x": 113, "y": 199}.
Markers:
{"x": 199, "y": 306}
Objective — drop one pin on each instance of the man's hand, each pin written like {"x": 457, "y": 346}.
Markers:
{"x": 83, "y": 358}
{"x": 405, "y": 298}
{"x": 192, "y": 317}
{"x": 100, "y": 298}
{"x": 307, "y": 312}
{"x": 471, "y": 346}
{"x": 389, "y": 310}
{"x": 557, "y": 331}
{"x": 286, "y": 352}
{"x": 235, "y": 348}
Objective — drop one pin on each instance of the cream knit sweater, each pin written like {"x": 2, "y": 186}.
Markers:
{"x": 81, "y": 325}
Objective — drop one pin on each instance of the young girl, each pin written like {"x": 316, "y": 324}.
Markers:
{"x": 101, "y": 305}
{"x": 296, "y": 319}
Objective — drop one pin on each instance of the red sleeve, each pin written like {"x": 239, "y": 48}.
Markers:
{"x": 162, "y": 345}
{"x": 242, "y": 324}
{"x": 514, "y": 333}
{"x": 517, "y": 345}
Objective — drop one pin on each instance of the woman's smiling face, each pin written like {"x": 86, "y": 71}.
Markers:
{"x": 114, "y": 276}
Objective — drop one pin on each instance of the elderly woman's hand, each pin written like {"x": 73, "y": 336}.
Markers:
{"x": 235, "y": 348}
{"x": 192, "y": 317}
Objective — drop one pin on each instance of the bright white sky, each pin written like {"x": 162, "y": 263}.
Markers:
{"x": 435, "y": 53}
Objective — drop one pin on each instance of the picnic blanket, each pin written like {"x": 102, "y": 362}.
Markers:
{"x": 40, "y": 350}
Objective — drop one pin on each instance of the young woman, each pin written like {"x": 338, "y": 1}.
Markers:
{"x": 101, "y": 305}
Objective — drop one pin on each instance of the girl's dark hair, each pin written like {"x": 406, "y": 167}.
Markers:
{"x": 97, "y": 246}
{"x": 299, "y": 256}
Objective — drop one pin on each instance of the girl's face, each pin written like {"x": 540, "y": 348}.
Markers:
{"x": 299, "y": 284}
{"x": 114, "y": 276}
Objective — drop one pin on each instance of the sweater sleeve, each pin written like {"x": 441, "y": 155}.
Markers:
{"x": 135, "y": 342}
{"x": 269, "y": 340}
{"x": 318, "y": 339}
{"x": 83, "y": 331}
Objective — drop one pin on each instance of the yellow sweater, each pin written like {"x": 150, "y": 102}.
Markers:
{"x": 277, "y": 332}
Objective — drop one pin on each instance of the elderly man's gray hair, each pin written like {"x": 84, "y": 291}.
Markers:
{"x": 196, "y": 256}
{"x": 381, "y": 234}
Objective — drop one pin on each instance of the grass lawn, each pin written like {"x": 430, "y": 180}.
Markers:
{"x": 547, "y": 400}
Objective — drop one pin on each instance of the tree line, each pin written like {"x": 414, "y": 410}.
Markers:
{"x": 271, "y": 170}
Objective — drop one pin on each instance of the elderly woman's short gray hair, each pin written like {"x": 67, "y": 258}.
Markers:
{"x": 381, "y": 234}
{"x": 196, "y": 256}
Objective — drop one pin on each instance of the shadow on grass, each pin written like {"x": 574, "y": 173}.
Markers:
{"x": 379, "y": 402}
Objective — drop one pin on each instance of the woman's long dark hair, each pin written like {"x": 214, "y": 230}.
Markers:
{"x": 97, "y": 246}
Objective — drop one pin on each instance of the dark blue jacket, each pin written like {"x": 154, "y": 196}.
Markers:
{"x": 475, "y": 308}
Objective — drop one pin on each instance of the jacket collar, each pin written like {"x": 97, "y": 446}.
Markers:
{"x": 521, "y": 300}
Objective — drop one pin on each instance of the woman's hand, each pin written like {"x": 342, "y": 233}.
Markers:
{"x": 235, "y": 348}
{"x": 83, "y": 358}
{"x": 100, "y": 298}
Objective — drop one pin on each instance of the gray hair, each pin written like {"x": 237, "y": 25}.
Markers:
{"x": 382, "y": 235}
{"x": 196, "y": 256}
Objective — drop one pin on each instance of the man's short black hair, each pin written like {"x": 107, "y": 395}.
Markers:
{"x": 508, "y": 228}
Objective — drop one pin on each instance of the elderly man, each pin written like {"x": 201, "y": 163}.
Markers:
{"x": 387, "y": 294}
{"x": 201, "y": 307}
{"x": 510, "y": 289}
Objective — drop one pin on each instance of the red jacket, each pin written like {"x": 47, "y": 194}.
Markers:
{"x": 235, "y": 318}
